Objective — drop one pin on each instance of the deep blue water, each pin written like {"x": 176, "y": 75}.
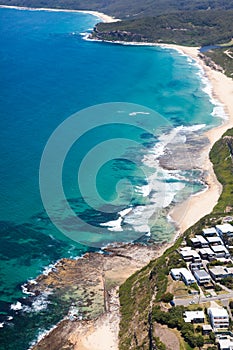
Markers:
{"x": 48, "y": 72}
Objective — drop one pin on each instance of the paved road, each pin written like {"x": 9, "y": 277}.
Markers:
{"x": 201, "y": 299}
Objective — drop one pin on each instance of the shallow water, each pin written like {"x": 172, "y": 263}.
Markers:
{"x": 47, "y": 73}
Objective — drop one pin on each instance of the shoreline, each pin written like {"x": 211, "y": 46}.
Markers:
{"x": 92, "y": 336}
{"x": 105, "y": 18}
{"x": 194, "y": 208}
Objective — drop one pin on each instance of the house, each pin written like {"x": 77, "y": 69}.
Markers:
{"x": 183, "y": 274}
{"x": 218, "y": 317}
{"x": 225, "y": 343}
{"x": 190, "y": 255}
{"x": 206, "y": 329}
{"x": 220, "y": 272}
{"x": 194, "y": 316}
{"x": 196, "y": 266}
{"x": 225, "y": 229}
{"x": 215, "y": 240}
{"x": 208, "y": 232}
{"x": 207, "y": 253}
{"x": 220, "y": 251}
{"x": 202, "y": 276}
{"x": 199, "y": 242}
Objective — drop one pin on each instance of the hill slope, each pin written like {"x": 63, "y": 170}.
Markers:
{"x": 126, "y": 9}
{"x": 185, "y": 28}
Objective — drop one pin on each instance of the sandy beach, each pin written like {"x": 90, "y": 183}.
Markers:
{"x": 197, "y": 206}
{"x": 105, "y": 18}
{"x": 102, "y": 333}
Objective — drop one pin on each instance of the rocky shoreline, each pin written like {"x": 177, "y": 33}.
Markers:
{"x": 90, "y": 284}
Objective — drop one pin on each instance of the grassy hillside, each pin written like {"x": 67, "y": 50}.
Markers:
{"x": 223, "y": 57}
{"x": 186, "y": 28}
{"x": 126, "y": 9}
{"x": 140, "y": 294}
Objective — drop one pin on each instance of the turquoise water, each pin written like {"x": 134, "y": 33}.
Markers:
{"x": 48, "y": 72}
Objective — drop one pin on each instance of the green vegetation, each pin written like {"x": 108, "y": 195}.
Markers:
{"x": 167, "y": 297}
{"x": 227, "y": 282}
{"x": 192, "y": 28}
{"x": 159, "y": 345}
{"x": 174, "y": 319}
{"x": 126, "y": 9}
{"x": 224, "y": 58}
{"x": 141, "y": 294}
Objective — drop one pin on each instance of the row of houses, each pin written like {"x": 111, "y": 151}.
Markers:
{"x": 199, "y": 276}
{"x": 218, "y": 317}
{"x": 221, "y": 230}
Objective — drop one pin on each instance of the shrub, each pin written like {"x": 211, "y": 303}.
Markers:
{"x": 167, "y": 297}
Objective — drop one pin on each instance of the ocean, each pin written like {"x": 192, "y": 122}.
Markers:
{"x": 95, "y": 149}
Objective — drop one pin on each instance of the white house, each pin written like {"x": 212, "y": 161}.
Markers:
{"x": 215, "y": 240}
{"x": 218, "y": 317}
{"x": 220, "y": 251}
{"x": 226, "y": 229}
{"x": 207, "y": 253}
{"x": 194, "y": 316}
{"x": 202, "y": 276}
{"x": 190, "y": 255}
{"x": 210, "y": 231}
{"x": 225, "y": 344}
{"x": 199, "y": 241}
{"x": 220, "y": 272}
{"x": 183, "y": 274}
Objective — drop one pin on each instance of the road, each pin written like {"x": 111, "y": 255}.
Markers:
{"x": 201, "y": 299}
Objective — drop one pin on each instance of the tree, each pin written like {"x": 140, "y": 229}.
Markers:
{"x": 167, "y": 297}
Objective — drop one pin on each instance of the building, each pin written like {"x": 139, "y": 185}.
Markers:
{"x": 199, "y": 242}
{"x": 218, "y": 317}
{"x": 196, "y": 266}
{"x": 194, "y": 316}
{"x": 225, "y": 229}
{"x": 225, "y": 343}
{"x": 207, "y": 253}
{"x": 208, "y": 232}
{"x": 220, "y": 272}
{"x": 190, "y": 255}
{"x": 215, "y": 240}
{"x": 206, "y": 329}
{"x": 220, "y": 251}
{"x": 202, "y": 277}
{"x": 183, "y": 274}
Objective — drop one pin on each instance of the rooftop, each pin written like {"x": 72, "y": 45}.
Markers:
{"x": 190, "y": 252}
{"x": 225, "y": 228}
{"x": 219, "y": 248}
{"x": 209, "y": 231}
{"x": 189, "y": 316}
{"x": 184, "y": 272}
{"x": 207, "y": 251}
{"x": 214, "y": 239}
{"x": 218, "y": 312}
{"x": 201, "y": 274}
{"x": 225, "y": 344}
{"x": 221, "y": 270}
{"x": 201, "y": 239}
